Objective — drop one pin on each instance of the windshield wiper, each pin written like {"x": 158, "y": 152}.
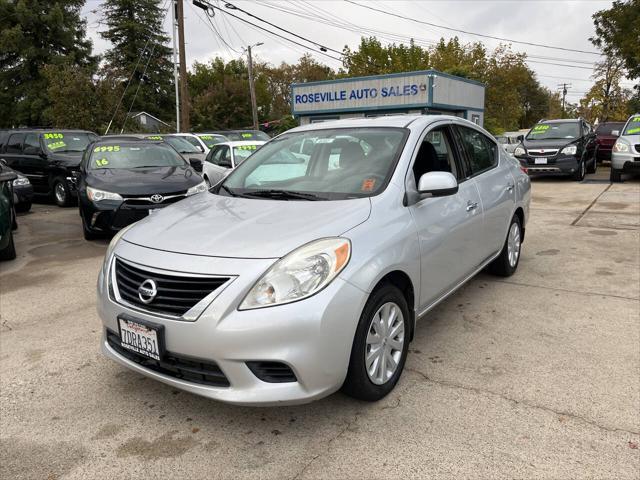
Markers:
{"x": 229, "y": 191}
{"x": 284, "y": 195}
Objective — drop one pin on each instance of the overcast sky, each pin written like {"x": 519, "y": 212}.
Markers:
{"x": 557, "y": 23}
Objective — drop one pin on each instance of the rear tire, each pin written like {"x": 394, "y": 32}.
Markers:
{"x": 381, "y": 340}
{"x": 615, "y": 176}
{"x": 9, "y": 252}
{"x": 507, "y": 262}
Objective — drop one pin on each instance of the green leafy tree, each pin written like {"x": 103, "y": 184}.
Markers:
{"x": 139, "y": 51}
{"x": 606, "y": 100}
{"x": 618, "y": 34}
{"x": 33, "y": 34}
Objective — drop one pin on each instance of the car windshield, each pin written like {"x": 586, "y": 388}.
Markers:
{"x": 549, "y": 131}
{"x": 502, "y": 140}
{"x": 179, "y": 143}
{"x": 193, "y": 141}
{"x": 633, "y": 126}
{"x": 242, "y": 152}
{"x": 211, "y": 140}
{"x": 133, "y": 155}
{"x": 247, "y": 135}
{"x": 67, "y": 141}
{"x": 342, "y": 163}
{"x": 607, "y": 128}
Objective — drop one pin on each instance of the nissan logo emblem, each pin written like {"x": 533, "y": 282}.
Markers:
{"x": 147, "y": 291}
{"x": 157, "y": 198}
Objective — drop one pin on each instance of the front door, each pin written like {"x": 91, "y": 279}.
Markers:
{"x": 448, "y": 227}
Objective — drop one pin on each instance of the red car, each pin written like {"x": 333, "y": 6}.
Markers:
{"x": 605, "y": 140}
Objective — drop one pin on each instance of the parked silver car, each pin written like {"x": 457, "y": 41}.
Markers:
{"x": 298, "y": 276}
{"x": 226, "y": 156}
{"x": 625, "y": 155}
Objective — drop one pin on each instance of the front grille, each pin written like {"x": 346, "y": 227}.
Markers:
{"x": 172, "y": 365}
{"x": 637, "y": 147}
{"x": 272, "y": 372}
{"x": 176, "y": 295}
{"x": 147, "y": 202}
{"x": 540, "y": 153}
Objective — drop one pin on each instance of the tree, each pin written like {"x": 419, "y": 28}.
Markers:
{"x": 618, "y": 34}
{"x": 606, "y": 100}
{"x": 34, "y": 33}
{"x": 139, "y": 52}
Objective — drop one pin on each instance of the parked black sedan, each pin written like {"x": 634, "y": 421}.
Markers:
{"x": 123, "y": 181}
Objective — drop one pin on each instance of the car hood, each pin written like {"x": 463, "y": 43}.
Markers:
{"x": 550, "y": 144}
{"x": 632, "y": 139}
{"x": 143, "y": 181}
{"x": 70, "y": 159}
{"x": 212, "y": 225}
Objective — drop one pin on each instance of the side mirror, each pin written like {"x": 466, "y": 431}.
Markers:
{"x": 438, "y": 184}
{"x": 615, "y": 133}
{"x": 32, "y": 150}
{"x": 196, "y": 164}
{"x": 520, "y": 138}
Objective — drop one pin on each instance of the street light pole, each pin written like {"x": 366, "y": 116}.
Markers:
{"x": 252, "y": 87}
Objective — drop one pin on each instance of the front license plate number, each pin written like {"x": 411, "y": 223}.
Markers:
{"x": 541, "y": 161}
{"x": 140, "y": 338}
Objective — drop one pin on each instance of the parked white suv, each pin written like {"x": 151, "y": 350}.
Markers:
{"x": 625, "y": 155}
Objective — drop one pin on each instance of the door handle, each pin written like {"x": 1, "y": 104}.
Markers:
{"x": 471, "y": 205}
{"x": 510, "y": 187}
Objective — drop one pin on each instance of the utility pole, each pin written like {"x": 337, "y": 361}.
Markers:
{"x": 184, "y": 93}
{"x": 252, "y": 88}
{"x": 564, "y": 88}
{"x": 175, "y": 64}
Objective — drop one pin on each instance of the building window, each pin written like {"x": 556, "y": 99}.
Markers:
{"x": 475, "y": 118}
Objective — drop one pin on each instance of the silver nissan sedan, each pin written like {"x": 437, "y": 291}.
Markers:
{"x": 302, "y": 274}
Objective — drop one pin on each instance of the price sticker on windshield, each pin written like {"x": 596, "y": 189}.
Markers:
{"x": 247, "y": 135}
{"x": 247, "y": 147}
{"x": 102, "y": 162}
{"x": 56, "y": 145}
{"x": 107, "y": 148}
{"x": 56, "y": 136}
{"x": 539, "y": 129}
{"x": 368, "y": 184}
{"x": 154, "y": 137}
{"x": 206, "y": 137}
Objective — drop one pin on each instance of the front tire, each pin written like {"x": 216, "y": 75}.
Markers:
{"x": 507, "y": 262}
{"x": 61, "y": 192}
{"x": 581, "y": 172}
{"x": 380, "y": 345}
{"x": 615, "y": 176}
{"x": 593, "y": 167}
{"x": 9, "y": 252}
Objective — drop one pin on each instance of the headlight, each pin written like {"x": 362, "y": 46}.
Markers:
{"x": 21, "y": 181}
{"x": 201, "y": 187}
{"x": 112, "y": 245}
{"x": 300, "y": 274}
{"x": 620, "y": 146}
{"x": 519, "y": 151}
{"x": 570, "y": 150}
{"x": 96, "y": 195}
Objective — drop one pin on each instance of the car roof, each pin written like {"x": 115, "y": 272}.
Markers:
{"x": 397, "y": 121}
{"x": 561, "y": 120}
{"x": 237, "y": 143}
{"x": 126, "y": 139}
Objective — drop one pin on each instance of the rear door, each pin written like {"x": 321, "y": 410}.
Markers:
{"x": 495, "y": 185}
{"x": 448, "y": 227}
{"x": 13, "y": 151}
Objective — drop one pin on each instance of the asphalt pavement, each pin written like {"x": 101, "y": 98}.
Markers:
{"x": 534, "y": 376}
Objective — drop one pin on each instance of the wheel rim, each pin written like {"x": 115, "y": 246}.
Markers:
{"x": 513, "y": 244}
{"x": 385, "y": 343}
{"x": 61, "y": 194}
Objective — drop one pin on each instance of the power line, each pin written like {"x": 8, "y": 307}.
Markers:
{"x": 276, "y": 34}
{"x": 472, "y": 33}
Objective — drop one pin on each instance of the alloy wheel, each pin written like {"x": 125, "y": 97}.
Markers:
{"x": 385, "y": 342}
{"x": 513, "y": 244}
{"x": 60, "y": 193}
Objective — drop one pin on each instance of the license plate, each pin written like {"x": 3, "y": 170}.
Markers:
{"x": 141, "y": 338}
{"x": 540, "y": 161}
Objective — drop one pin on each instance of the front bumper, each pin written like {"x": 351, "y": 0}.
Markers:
{"x": 108, "y": 216}
{"x": 627, "y": 162}
{"x": 558, "y": 165}
{"x": 23, "y": 194}
{"x": 313, "y": 336}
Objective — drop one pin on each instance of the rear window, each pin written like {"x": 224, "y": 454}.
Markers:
{"x": 247, "y": 135}
{"x": 607, "y": 128}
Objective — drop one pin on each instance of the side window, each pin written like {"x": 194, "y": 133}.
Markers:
{"x": 225, "y": 158}
{"x": 31, "y": 144}
{"x": 14, "y": 144}
{"x": 211, "y": 155}
{"x": 481, "y": 151}
{"x": 435, "y": 154}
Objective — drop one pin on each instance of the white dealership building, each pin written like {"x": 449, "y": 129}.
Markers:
{"x": 427, "y": 91}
